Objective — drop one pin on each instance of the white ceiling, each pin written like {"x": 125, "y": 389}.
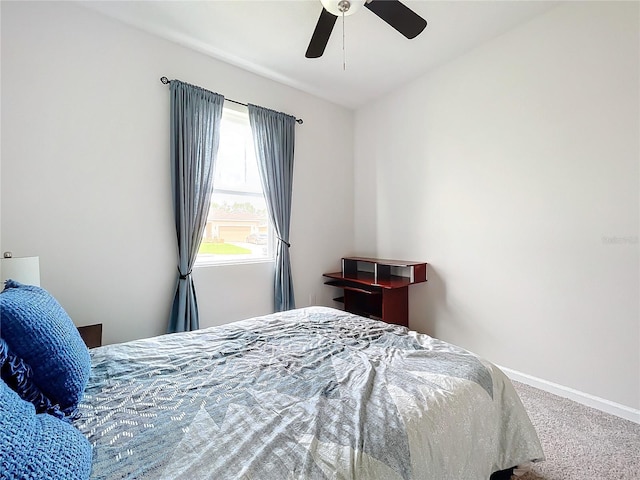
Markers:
{"x": 270, "y": 37}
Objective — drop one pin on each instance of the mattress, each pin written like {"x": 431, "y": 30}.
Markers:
{"x": 313, "y": 393}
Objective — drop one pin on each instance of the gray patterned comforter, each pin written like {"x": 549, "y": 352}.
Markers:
{"x": 313, "y": 393}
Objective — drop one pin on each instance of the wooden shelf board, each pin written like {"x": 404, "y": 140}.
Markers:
{"x": 366, "y": 278}
{"x": 361, "y": 290}
{"x": 393, "y": 263}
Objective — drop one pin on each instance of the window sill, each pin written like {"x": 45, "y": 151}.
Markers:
{"x": 224, "y": 263}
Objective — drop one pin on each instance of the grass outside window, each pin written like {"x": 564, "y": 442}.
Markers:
{"x": 222, "y": 249}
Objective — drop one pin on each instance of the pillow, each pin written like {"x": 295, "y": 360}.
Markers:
{"x": 17, "y": 375}
{"x": 39, "y": 331}
{"x": 39, "y": 446}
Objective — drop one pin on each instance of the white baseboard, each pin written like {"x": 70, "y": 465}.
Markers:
{"x": 587, "y": 399}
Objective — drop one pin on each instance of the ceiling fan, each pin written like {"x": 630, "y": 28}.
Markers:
{"x": 395, "y": 13}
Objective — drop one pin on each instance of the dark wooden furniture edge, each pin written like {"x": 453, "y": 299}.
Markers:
{"x": 91, "y": 334}
{"x": 366, "y": 278}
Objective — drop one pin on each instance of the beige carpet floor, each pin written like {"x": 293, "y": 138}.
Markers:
{"x": 580, "y": 443}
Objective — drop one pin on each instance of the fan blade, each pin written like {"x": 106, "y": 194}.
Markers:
{"x": 321, "y": 34}
{"x": 399, "y": 16}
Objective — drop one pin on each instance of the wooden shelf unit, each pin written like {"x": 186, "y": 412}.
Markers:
{"x": 377, "y": 288}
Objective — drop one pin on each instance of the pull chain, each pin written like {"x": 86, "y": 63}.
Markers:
{"x": 344, "y": 58}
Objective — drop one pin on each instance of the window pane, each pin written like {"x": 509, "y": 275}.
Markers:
{"x": 236, "y": 166}
{"x": 237, "y": 227}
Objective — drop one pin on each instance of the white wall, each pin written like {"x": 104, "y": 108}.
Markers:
{"x": 85, "y": 171}
{"x": 513, "y": 170}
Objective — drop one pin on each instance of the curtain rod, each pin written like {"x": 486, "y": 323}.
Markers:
{"x": 166, "y": 81}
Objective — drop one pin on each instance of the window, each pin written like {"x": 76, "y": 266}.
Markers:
{"x": 238, "y": 227}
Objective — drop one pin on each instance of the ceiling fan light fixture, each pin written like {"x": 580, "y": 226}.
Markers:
{"x": 342, "y": 7}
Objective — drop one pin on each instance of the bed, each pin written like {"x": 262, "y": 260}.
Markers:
{"x": 312, "y": 393}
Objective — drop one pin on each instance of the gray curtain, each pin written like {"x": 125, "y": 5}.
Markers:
{"x": 273, "y": 137}
{"x": 195, "y": 135}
